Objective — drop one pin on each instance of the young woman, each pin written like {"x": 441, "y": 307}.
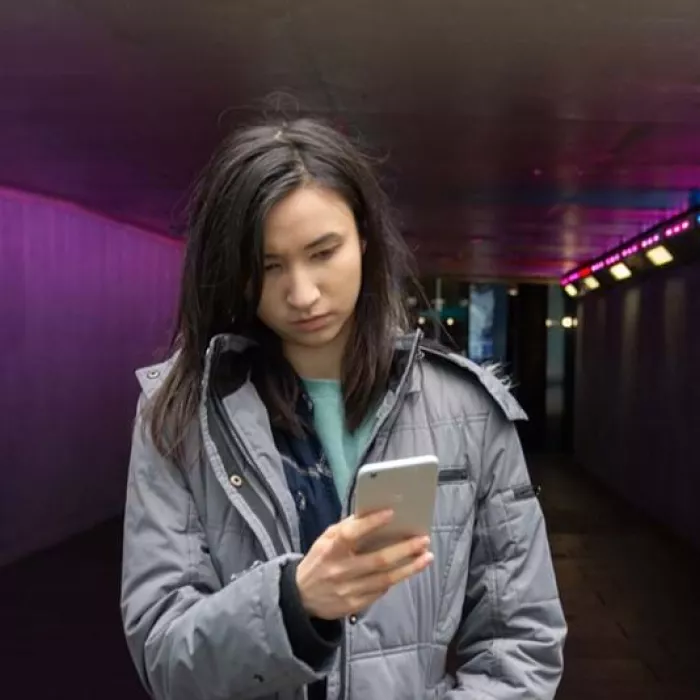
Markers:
{"x": 292, "y": 366}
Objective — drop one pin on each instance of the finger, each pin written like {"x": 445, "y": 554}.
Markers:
{"x": 353, "y": 529}
{"x": 378, "y": 583}
{"x": 389, "y": 557}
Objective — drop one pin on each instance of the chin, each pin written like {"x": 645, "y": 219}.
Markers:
{"x": 317, "y": 339}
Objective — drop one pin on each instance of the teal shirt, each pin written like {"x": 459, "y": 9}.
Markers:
{"x": 342, "y": 448}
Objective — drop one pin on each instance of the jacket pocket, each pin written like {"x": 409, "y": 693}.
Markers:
{"x": 525, "y": 491}
{"x": 519, "y": 539}
{"x": 521, "y": 517}
{"x": 452, "y": 475}
{"x": 454, "y": 498}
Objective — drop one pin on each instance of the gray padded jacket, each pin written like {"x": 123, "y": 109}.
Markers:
{"x": 203, "y": 551}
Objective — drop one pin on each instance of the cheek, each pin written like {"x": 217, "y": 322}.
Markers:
{"x": 266, "y": 307}
{"x": 357, "y": 276}
{"x": 349, "y": 274}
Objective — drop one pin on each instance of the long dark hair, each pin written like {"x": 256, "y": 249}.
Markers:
{"x": 223, "y": 270}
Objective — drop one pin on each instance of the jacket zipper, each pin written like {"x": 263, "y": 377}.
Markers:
{"x": 389, "y": 412}
{"x": 382, "y": 420}
{"x": 234, "y": 445}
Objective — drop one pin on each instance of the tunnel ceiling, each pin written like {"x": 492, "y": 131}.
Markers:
{"x": 519, "y": 137}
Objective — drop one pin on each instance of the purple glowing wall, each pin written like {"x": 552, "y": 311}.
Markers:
{"x": 638, "y": 394}
{"x": 83, "y": 302}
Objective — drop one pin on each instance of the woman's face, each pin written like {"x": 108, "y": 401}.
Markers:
{"x": 313, "y": 270}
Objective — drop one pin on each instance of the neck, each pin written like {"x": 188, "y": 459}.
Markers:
{"x": 325, "y": 362}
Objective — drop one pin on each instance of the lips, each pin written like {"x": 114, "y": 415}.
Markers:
{"x": 314, "y": 323}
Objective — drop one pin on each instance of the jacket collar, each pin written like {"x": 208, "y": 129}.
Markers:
{"x": 150, "y": 378}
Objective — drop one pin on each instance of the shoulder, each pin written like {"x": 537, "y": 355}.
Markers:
{"x": 150, "y": 378}
{"x": 480, "y": 387}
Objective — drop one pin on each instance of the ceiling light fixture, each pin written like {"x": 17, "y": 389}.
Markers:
{"x": 659, "y": 255}
{"x": 620, "y": 271}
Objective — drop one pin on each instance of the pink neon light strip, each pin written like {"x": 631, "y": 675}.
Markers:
{"x": 652, "y": 240}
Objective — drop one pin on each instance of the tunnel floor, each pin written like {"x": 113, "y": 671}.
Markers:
{"x": 630, "y": 592}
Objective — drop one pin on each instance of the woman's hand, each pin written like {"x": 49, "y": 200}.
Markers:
{"x": 334, "y": 581}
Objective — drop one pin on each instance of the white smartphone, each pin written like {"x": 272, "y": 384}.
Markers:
{"x": 408, "y": 487}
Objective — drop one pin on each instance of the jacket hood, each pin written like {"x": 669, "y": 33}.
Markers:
{"x": 489, "y": 376}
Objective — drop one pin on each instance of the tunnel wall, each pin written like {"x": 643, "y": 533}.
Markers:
{"x": 637, "y": 407}
{"x": 83, "y": 302}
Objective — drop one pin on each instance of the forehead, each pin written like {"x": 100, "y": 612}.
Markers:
{"x": 303, "y": 216}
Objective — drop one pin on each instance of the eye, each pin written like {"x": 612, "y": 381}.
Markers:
{"x": 272, "y": 267}
{"x": 325, "y": 254}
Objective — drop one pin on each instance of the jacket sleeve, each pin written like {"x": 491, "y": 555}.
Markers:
{"x": 191, "y": 637}
{"x": 510, "y": 643}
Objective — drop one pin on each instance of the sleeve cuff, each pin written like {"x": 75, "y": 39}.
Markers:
{"x": 312, "y": 640}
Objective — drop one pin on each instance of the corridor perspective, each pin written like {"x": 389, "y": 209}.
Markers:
{"x": 540, "y": 164}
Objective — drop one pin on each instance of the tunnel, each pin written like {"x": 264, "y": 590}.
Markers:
{"x": 528, "y": 151}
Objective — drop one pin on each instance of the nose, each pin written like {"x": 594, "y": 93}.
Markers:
{"x": 303, "y": 292}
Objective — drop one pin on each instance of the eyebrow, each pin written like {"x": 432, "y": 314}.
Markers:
{"x": 325, "y": 239}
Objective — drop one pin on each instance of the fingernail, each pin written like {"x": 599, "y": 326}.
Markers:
{"x": 429, "y": 558}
